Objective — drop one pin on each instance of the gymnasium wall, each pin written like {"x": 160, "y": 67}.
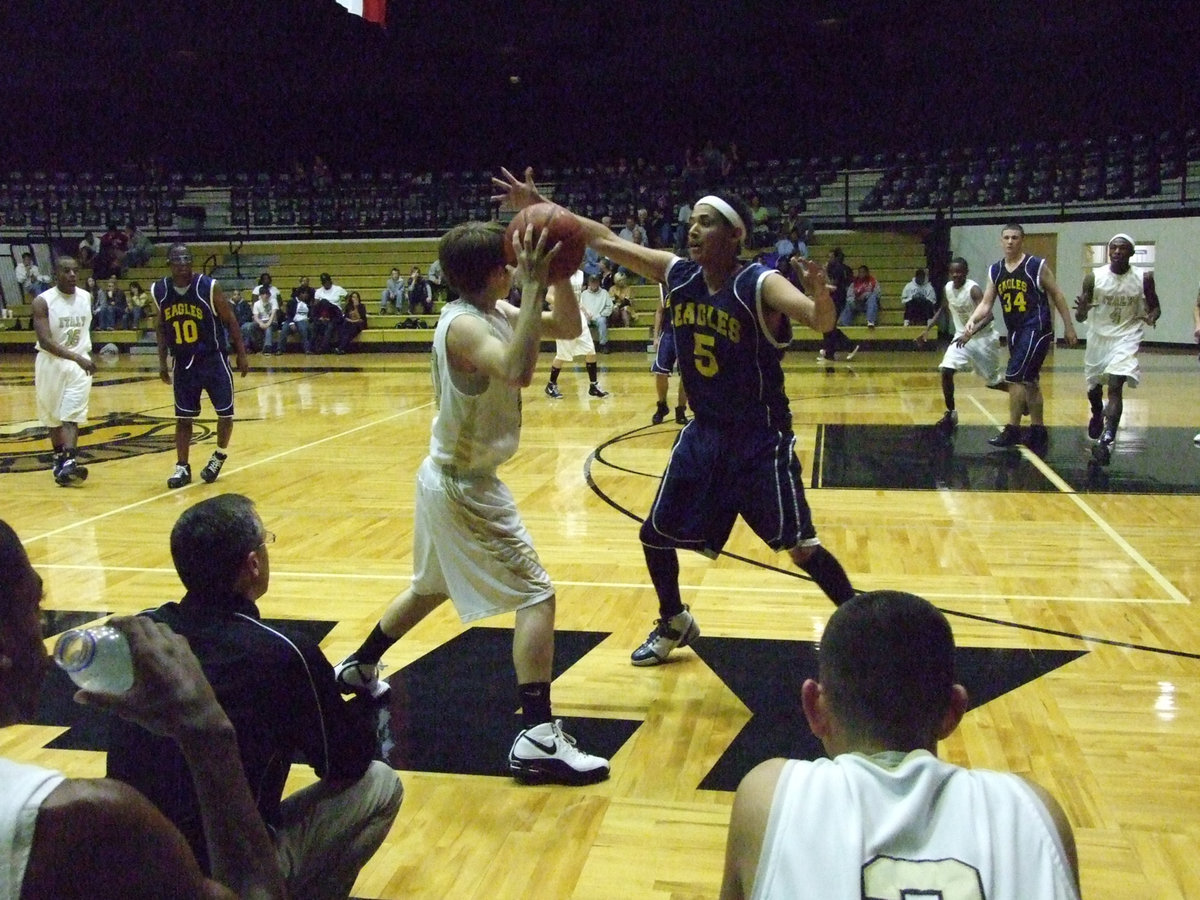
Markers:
{"x": 1176, "y": 268}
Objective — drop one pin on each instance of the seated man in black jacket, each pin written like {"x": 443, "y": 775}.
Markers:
{"x": 280, "y": 694}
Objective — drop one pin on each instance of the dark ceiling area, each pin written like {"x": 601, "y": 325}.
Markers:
{"x": 257, "y": 83}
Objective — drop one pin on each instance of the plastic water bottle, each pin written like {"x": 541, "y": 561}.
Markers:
{"x": 97, "y": 659}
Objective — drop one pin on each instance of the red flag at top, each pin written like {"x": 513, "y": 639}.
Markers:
{"x": 371, "y": 10}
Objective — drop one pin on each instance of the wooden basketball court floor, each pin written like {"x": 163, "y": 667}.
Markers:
{"x": 1070, "y": 588}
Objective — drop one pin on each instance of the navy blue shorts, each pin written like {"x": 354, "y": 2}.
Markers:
{"x": 665, "y": 358}
{"x": 209, "y": 373}
{"x": 714, "y": 475}
{"x": 1027, "y": 349}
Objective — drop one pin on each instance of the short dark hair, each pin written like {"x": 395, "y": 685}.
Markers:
{"x": 959, "y": 260}
{"x": 470, "y": 253}
{"x": 1013, "y": 226}
{"x": 210, "y": 541}
{"x": 887, "y": 667}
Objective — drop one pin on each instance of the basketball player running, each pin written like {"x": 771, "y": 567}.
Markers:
{"x": 1025, "y": 286}
{"x": 732, "y": 322}
{"x": 469, "y": 542}
{"x": 883, "y": 816}
{"x": 665, "y": 359}
{"x": 979, "y": 353}
{"x": 62, "y": 372}
{"x": 193, "y": 319}
{"x": 1116, "y": 301}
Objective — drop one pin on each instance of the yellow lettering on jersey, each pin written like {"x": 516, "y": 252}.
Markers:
{"x": 707, "y": 316}
{"x": 184, "y": 309}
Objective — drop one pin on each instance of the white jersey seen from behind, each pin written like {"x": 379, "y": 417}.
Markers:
{"x": 894, "y": 826}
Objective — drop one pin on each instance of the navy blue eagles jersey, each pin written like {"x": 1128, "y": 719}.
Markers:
{"x": 730, "y": 364}
{"x": 1024, "y": 303}
{"x": 190, "y": 320}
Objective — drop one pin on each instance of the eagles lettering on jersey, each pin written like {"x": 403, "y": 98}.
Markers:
{"x": 1022, "y": 300}
{"x": 189, "y": 319}
{"x": 730, "y": 364}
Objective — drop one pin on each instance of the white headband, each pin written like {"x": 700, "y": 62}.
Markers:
{"x": 1123, "y": 237}
{"x": 726, "y": 210}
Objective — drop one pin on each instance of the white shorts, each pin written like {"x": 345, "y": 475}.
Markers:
{"x": 469, "y": 543}
{"x": 980, "y": 355}
{"x": 1111, "y": 356}
{"x": 580, "y": 346}
{"x": 63, "y": 389}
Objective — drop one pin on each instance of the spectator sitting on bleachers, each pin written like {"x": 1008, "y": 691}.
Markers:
{"x": 330, "y": 293}
{"x": 393, "y": 294}
{"x": 297, "y": 320}
{"x": 113, "y": 244}
{"x": 89, "y": 246}
{"x": 623, "y": 314}
{"x": 761, "y": 228}
{"x": 100, "y": 311}
{"x": 32, "y": 281}
{"x": 439, "y": 290}
{"x": 418, "y": 292}
{"x": 260, "y": 332}
{"x": 633, "y": 231}
{"x": 118, "y": 305}
{"x": 597, "y": 306}
{"x": 864, "y": 294}
{"x": 265, "y": 280}
{"x": 140, "y": 304}
{"x": 919, "y": 299}
{"x": 141, "y": 248}
{"x": 791, "y": 245}
{"x": 354, "y": 321}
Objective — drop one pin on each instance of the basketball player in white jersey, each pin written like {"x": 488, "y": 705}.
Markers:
{"x": 62, "y": 372}
{"x": 1116, "y": 301}
{"x": 978, "y": 352}
{"x": 883, "y": 816}
{"x": 567, "y": 350}
{"x": 469, "y": 543}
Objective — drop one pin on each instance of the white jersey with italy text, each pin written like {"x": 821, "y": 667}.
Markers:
{"x": 960, "y": 304}
{"x": 70, "y": 320}
{"x": 894, "y": 826}
{"x": 1118, "y": 304}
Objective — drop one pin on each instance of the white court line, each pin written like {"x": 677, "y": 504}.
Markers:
{"x": 1176, "y": 595}
{"x": 280, "y": 455}
{"x": 278, "y": 573}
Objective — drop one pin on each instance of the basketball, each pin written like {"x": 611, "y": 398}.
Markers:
{"x": 564, "y": 229}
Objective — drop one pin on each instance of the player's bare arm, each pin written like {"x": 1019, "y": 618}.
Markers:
{"x": 562, "y": 322}
{"x": 41, "y": 328}
{"x": 162, "y": 338}
{"x": 1153, "y": 309}
{"x": 648, "y": 263}
{"x": 1050, "y": 286}
{"x": 929, "y": 325}
{"x": 170, "y": 696}
{"x": 225, "y": 313}
{"x": 981, "y": 313}
{"x": 813, "y": 306}
{"x": 747, "y": 826}
{"x": 472, "y": 347}
{"x": 1084, "y": 301}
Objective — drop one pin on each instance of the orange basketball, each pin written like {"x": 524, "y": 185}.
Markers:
{"x": 564, "y": 228}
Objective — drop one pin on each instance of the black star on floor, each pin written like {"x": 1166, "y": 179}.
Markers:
{"x": 454, "y": 709}
{"x": 766, "y": 675}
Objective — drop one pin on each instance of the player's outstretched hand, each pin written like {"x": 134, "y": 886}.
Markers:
{"x": 533, "y": 258}
{"x": 170, "y": 695}
{"x": 811, "y": 274}
{"x": 516, "y": 194}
